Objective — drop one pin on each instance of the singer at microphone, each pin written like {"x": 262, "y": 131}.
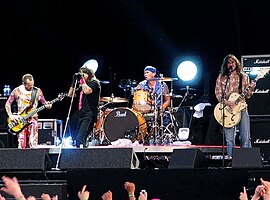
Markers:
{"x": 232, "y": 93}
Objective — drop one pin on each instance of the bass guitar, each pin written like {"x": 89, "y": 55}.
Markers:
{"x": 15, "y": 127}
{"x": 232, "y": 115}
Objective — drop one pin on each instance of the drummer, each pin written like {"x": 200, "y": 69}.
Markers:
{"x": 156, "y": 88}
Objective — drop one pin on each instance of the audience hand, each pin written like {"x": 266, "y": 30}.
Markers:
{"x": 84, "y": 194}
{"x": 107, "y": 195}
{"x": 31, "y": 198}
{"x": 143, "y": 195}
{"x": 2, "y": 198}
{"x": 266, "y": 185}
{"x": 45, "y": 196}
{"x": 243, "y": 195}
{"x": 12, "y": 187}
{"x": 130, "y": 187}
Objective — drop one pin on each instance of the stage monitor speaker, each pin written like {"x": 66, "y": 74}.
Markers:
{"x": 246, "y": 158}
{"x": 24, "y": 159}
{"x": 98, "y": 158}
{"x": 188, "y": 159}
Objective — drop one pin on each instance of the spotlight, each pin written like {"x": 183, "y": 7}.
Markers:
{"x": 91, "y": 64}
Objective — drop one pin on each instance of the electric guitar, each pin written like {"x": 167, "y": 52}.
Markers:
{"x": 15, "y": 127}
{"x": 232, "y": 115}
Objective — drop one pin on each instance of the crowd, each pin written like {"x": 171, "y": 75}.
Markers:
{"x": 261, "y": 191}
{"x": 13, "y": 188}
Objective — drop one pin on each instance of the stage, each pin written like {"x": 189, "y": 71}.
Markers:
{"x": 197, "y": 172}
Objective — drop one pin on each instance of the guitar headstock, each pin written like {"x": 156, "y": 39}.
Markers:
{"x": 61, "y": 96}
{"x": 263, "y": 73}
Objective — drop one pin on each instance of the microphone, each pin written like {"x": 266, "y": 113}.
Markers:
{"x": 230, "y": 71}
{"x": 78, "y": 74}
{"x": 158, "y": 75}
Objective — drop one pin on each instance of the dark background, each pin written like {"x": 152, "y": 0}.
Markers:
{"x": 51, "y": 39}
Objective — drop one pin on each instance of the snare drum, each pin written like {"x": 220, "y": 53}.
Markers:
{"x": 124, "y": 123}
{"x": 141, "y": 101}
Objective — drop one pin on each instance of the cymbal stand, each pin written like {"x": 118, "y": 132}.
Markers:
{"x": 172, "y": 131}
{"x": 171, "y": 124}
{"x": 161, "y": 127}
{"x": 184, "y": 98}
{"x": 155, "y": 122}
{"x": 102, "y": 135}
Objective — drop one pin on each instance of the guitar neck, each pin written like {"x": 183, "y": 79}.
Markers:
{"x": 39, "y": 109}
{"x": 244, "y": 93}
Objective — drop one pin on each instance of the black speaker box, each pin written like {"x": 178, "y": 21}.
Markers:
{"x": 260, "y": 136}
{"x": 246, "y": 158}
{"x": 98, "y": 158}
{"x": 258, "y": 104}
{"x": 24, "y": 159}
{"x": 188, "y": 159}
{"x": 3, "y": 114}
{"x": 4, "y": 141}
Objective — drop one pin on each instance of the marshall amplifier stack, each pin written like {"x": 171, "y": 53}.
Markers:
{"x": 259, "y": 103}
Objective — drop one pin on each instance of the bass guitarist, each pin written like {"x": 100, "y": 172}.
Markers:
{"x": 232, "y": 82}
{"x": 27, "y": 97}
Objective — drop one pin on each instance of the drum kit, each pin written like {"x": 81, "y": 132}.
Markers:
{"x": 144, "y": 122}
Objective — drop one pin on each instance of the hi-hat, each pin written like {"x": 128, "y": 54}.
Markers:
{"x": 113, "y": 99}
{"x": 163, "y": 79}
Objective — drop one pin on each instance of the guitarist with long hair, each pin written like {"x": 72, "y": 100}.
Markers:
{"x": 27, "y": 97}
{"x": 232, "y": 88}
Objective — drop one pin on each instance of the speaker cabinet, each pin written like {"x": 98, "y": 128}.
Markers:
{"x": 260, "y": 136}
{"x": 246, "y": 158}
{"x": 188, "y": 159}
{"x": 3, "y": 114}
{"x": 4, "y": 142}
{"x": 98, "y": 158}
{"x": 24, "y": 159}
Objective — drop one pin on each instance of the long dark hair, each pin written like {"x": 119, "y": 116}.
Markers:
{"x": 224, "y": 70}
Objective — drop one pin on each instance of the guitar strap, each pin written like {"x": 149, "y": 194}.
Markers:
{"x": 33, "y": 96}
{"x": 240, "y": 84}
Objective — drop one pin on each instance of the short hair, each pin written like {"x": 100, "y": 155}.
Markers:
{"x": 27, "y": 76}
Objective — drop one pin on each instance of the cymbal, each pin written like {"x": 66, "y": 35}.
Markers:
{"x": 186, "y": 88}
{"x": 113, "y": 99}
{"x": 105, "y": 82}
{"x": 174, "y": 95}
{"x": 163, "y": 79}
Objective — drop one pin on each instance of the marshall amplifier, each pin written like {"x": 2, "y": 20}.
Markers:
{"x": 253, "y": 65}
{"x": 49, "y": 130}
{"x": 260, "y": 136}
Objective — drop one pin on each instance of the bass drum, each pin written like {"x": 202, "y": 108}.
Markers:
{"x": 124, "y": 123}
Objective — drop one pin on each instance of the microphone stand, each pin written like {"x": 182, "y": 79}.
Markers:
{"x": 184, "y": 98}
{"x": 67, "y": 120}
{"x": 223, "y": 119}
